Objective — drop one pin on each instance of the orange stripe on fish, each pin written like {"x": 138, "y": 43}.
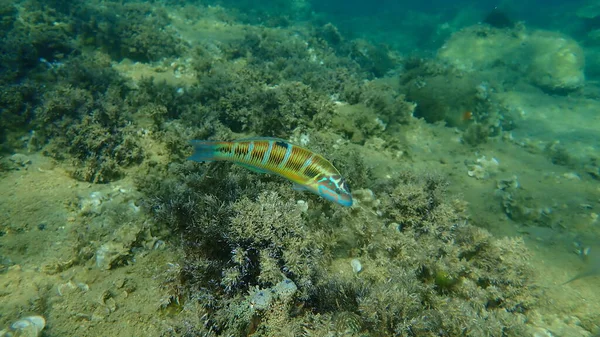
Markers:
{"x": 305, "y": 168}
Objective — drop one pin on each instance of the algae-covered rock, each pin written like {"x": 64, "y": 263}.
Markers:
{"x": 549, "y": 60}
{"x": 440, "y": 99}
{"x": 589, "y": 11}
{"x": 479, "y": 47}
{"x": 109, "y": 254}
{"x": 558, "y": 61}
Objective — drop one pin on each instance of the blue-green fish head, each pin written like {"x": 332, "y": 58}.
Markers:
{"x": 335, "y": 189}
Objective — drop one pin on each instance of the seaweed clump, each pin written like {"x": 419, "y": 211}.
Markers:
{"x": 71, "y": 102}
{"x": 33, "y": 40}
{"x": 138, "y": 31}
{"x": 245, "y": 102}
{"x": 439, "y": 99}
{"x": 257, "y": 264}
{"x": 249, "y": 248}
{"x": 465, "y": 102}
{"x": 30, "y": 34}
{"x": 87, "y": 124}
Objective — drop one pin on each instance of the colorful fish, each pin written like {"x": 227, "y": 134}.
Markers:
{"x": 308, "y": 170}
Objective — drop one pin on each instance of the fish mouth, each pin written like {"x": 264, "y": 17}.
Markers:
{"x": 345, "y": 200}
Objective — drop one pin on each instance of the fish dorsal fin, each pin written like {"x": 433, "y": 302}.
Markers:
{"x": 275, "y": 139}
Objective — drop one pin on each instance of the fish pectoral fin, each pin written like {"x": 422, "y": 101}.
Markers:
{"x": 252, "y": 168}
{"x": 299, "y": 188}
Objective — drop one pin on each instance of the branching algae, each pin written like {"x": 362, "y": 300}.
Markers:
{"x": 425, "y": 270}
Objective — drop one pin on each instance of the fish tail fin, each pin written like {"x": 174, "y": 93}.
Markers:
{"x": 204, "y": 150}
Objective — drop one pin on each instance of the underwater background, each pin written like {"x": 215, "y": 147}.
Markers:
{"x": 468, "y": 132}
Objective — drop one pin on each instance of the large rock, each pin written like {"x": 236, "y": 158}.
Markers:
{"x": 557, "y": 63}
{"x": 480, "y": 47}
{"x": 549, "y": 60}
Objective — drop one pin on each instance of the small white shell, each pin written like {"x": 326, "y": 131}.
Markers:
{"x": 356, "y": 266}
{"x": 30, "y": 326}
{"x": 302, "y": 206}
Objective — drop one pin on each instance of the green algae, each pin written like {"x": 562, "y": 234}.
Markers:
{"x": 214, "y": 239}
{"x": 256, "y": 242}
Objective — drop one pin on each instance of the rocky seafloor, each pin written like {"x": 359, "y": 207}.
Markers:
{"x": 474, "y": 172}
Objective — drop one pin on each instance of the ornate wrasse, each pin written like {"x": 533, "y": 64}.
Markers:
{"x": 308, "y": 170}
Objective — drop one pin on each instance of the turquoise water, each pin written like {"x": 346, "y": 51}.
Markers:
{"x": 467, "y": 133}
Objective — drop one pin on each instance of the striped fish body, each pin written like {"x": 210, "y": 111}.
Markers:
{"x": 305, "y": 168}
